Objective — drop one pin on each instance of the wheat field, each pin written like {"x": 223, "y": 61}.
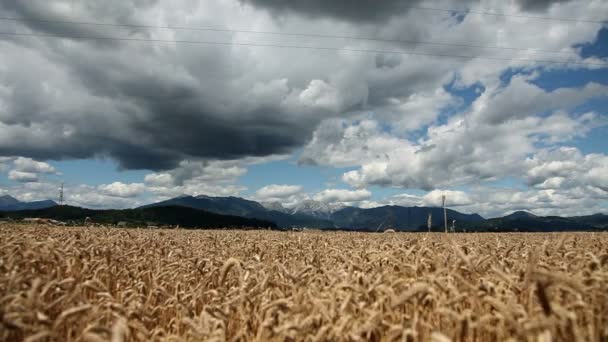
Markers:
{"x": 101, "y": 284}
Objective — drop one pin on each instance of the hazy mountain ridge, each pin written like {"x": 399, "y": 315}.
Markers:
{"x": 9, "y": 203}
{"x": 596, "y": 220}
{"x": 524, "y": 221}
{"x": 206, "y": 211}
{"x": 314, "y": 214}
{"x": 165, "y": 215}
{"x": 241, "y": 207}
{"x": 520, "y": 214}
{"x": 398, "y": 218}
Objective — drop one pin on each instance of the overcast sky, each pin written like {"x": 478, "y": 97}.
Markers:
{"x": 128, "y": 122}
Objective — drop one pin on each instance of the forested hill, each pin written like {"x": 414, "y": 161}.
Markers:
{"x": 169, "y": 215}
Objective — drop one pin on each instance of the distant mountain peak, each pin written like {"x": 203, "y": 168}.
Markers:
{"x": 8, "y": 200}
{"x": 9, "y": 203}
{"x": 317, "y": 208}
{"x": 520, "y": 214}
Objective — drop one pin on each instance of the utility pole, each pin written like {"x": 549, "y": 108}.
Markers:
{"x": 61, "y": 194}
{"x": 445, "y": 214}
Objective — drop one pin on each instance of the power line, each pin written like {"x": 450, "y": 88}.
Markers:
{"x": 302, "y": 47}
{"x": 292, "y": 34}
{"x": 495, "y": 14}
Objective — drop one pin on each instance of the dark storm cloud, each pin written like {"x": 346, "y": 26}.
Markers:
{"x": 46, "y": 17}
{"x": 351, "y": 10}
{"x": 153, "y": 105}
{"x": 150, "y": 122}
{"x": 146, "y": 106}
{"x": 371, "y": 10}
{"x": 538, "y": 5}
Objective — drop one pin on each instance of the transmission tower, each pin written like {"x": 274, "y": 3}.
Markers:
{"x": 61, "y": 194}
{"x": 445, "y": 214}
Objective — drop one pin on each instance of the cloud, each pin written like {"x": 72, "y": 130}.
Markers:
{"x": 521, "y": 99}
{"x": 405, "y": 200}
{"x": 75, "y": 194}
{"x": 160, "y": 180}
{"x": 485, "y": 144}
{"x": 228, "y": 102}
{"x": 197, "y": 115}
{"x": 492, "y": 201}
{"x": 213, "y": 178}
{"x": 417, "y": 110}
{"x": 112, "y": 11}
{"x": 118, "y": 189}
{"x": 453, "y": 198}
{"x": 342, "y": 195}
{"x": 289, "y": 196}
{"x": 539, "y": 5}
{"x": 207, "y": 171}
{"x": 119, "y": 196}
{"x": 31, "y": 166}
{"x": 370, "y": 11}
{"x": 4, "y": 161}
{"x": 26, "y": 170}
{"x": 343, "y": 143}
{"x": 189, "y": 173}
{"x": 156, "y": 120}
{"x": 457, "y": 153}
{"x": 566, "y": 168}
{"x": 23, "y": 177}
{"x": 358, "y": 10}
{"x": 276, "y": 191}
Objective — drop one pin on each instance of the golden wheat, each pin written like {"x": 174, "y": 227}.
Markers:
{"x": 98, "y": 284}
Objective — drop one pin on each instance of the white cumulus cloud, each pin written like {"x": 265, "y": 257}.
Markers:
{"x": 29, "y": 165}
{"x": 278, "y": 191}
{"x": 342, "y": 195}
{"x": 119, "y": 189}
{"x": 22, "y": 177}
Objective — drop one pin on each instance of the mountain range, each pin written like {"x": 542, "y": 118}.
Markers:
{"x": 156, "y": 216}
{"x": 398, "y": 218}
{"x": 9, "y": 203}
{"x": 307, "y": 207}
{"x": 525, "y": 221}
{"x": 314, "y": 214}
{"x": 206, "y": 211}
{"x": 241, "y": 207}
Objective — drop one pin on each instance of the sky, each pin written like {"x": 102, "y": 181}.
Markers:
{"x": 129, "y": 102}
